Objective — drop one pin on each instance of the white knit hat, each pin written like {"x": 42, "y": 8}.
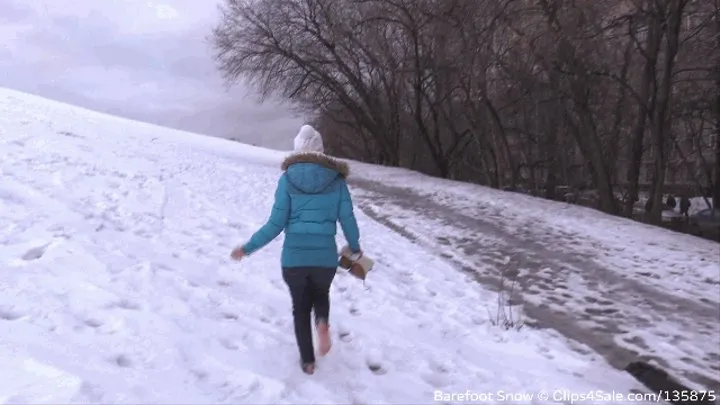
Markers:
{"x": 309, "y": 140}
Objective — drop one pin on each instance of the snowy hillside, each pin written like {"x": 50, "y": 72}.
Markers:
{"x": 117, "y": 287}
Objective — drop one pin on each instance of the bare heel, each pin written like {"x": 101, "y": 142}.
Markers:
{"x": 308, "y": 368}
{"x": 325, "y": 343}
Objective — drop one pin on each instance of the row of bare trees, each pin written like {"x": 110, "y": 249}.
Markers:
{"x": 508, "y": 93}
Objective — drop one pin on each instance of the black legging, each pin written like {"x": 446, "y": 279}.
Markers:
{"x": 309, "y": 289}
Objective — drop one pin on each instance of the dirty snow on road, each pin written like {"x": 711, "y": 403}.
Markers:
{"x": 117, "y": 288}
{"x": 625, "y": 289}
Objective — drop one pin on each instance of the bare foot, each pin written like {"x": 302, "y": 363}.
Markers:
{"x": 324, "y": 338}
{"x": 308, "y": 368}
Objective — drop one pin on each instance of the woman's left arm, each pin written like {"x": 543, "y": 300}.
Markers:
{"x": 275, "y": 224}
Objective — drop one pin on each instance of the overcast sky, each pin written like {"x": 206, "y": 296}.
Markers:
{"x": 140, "y": 59}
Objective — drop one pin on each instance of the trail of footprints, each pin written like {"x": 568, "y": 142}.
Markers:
{"x": 373, "y": 359}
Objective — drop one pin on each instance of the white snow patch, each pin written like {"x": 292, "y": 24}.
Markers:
{"x": 114, "y": 245}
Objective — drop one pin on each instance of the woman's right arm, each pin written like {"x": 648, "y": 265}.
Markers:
{"x": 347, "y": 219}
{"x": 275, "y": 224}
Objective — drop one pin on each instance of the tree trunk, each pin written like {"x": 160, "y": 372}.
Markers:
{"x": 662, "y": 121}
{"x": 645, "y": 109}
{"x": 716, "y": 181}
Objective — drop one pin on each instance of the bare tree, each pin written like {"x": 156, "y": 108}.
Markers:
{"x": 594, "y": 95}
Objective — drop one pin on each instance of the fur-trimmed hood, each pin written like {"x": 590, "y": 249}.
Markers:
{"x": 318, "y": 158}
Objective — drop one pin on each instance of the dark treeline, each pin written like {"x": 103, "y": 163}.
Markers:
{"x": 534, "y": 94}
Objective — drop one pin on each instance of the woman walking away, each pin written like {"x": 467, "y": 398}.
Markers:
{"x": 311, "y": 197}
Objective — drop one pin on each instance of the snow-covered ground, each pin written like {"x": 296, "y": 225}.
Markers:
{"x": 117, "y": 287}
{"x": 624, "y": 288}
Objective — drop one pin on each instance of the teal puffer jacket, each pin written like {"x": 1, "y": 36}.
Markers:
{"x": 311, "y": 197}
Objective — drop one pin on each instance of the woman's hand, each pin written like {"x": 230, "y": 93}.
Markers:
{"x": 356, "y": 256}
{"x": 238, "y": 253}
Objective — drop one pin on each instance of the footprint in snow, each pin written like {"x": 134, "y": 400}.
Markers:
{"x": 91, "y": 393}
{"x": 9, "y": 314}
{"x": 439, "y": 366}
{"x": 127, "y": 304}
{"x": 93, "y": 322}
{"x": 345, "y": 336}
{"x": 113, "y": 184}
{"x": 437, "y": 380}
{"x": 229, "y": 316}
{"x": 224, "y": 283}
{"x": 374, "y": 363}
{"x": 70, "y": 134}
{"x": 200, "y": 375}
{"x": 229, "y": 344}
{"x": 36, "y": 252}
{"x": 122, "y": 360}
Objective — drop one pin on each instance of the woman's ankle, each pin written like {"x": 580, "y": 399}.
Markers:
{"x": 322, "y": 325}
